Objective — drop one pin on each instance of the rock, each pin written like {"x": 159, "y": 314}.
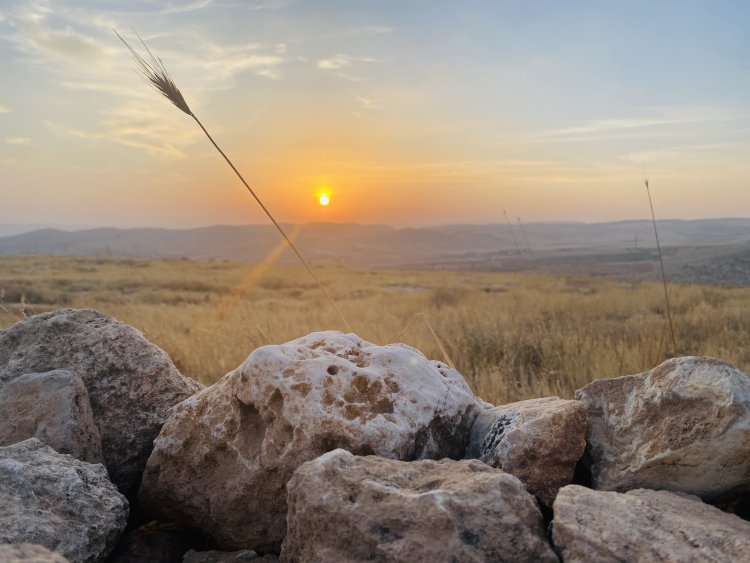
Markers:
{"x": 286, "y": 405}
{"x": 130, "y": 382}
{"x": 157, "y": 542}
{"x": 644, "y": 525}
{"x": 241, "y": 556}
{"x": 29, "y": 553}
{"x": 54, "y": 408}
{"x": 683, "y": 426}
{"x": 539, "y": 441}
{"x": 348, "y": 508}
{"x": 66, "y": 505}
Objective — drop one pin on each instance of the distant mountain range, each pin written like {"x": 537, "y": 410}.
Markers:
{"x": 692, "y": 248}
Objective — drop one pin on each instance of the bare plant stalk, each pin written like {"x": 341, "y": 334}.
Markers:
{"x": 435, "y": 337}
{"x": 156, "y": 75}
{"x": 663, "y": 274}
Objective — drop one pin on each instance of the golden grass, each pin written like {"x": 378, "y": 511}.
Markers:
{"x": 513, "y": 336}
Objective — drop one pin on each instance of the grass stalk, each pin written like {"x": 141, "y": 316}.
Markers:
{"x": 156, "y": 75}
{"x": 663, "y": 273}
{"x": 435, "y": 337}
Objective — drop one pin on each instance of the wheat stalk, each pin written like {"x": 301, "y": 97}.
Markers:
{"x": 152, "y": 69}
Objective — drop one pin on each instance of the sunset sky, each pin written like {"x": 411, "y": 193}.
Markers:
{"x": 409, "y": 112}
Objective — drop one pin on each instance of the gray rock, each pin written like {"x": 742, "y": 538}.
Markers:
{"x": 347, "y": 508}
{"x": 683, "y": 426}
{"x": 54, "y": 408}
{"x": 286, "y": 405}
{"x": 645, "y": 525}
{"x": 29, "y": 553}
{"x": 131, "y": 383}
{"x": 539, "y": 441}
{"x": 66, "y": 505}
{"x": 241, "y": 556}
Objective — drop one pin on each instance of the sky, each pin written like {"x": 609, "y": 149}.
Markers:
{"x": 406, "y": 112}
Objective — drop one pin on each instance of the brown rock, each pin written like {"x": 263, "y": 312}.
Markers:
{"x": 62, "y": 503}
{"x": 54, "y": 408}
{"x": 346, "y": 508}
{"x": 683, "y": 426}
{"x": 28, "y": 553}
{"x": 539, "y": 441}
{"x": 645, "y": 525}
{"x": 286, "y": 405}
{"x": 130, "y": 382}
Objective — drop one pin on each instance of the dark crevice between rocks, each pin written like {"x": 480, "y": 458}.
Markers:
{"x": 156, "y": 541}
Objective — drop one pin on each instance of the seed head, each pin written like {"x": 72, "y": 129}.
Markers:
{"x": 156, "y": 75}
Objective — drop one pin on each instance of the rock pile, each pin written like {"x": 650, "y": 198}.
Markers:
{"x": 330, "y": 448}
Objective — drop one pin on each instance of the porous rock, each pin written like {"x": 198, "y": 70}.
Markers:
{"x": 288, "y": 404}
{"x": 645, "y": 525}
{"x": 539, "y": 441}
{"x": 683, "y": 426}
{"x": 54, "y": 408}
{"x": 130, "y": 382}
{"x": 28, "y": 553}
{"x": 348, "y": 508}
{"x": 66, "y": 505}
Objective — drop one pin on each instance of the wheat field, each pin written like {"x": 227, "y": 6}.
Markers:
{"x": 512, "y": 336}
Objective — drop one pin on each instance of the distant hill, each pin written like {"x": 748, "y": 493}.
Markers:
{"x": 623, "y": 247}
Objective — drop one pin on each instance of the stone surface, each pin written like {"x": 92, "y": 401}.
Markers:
{"x": 57, "y": 501}
{"x": 286, "y": 405}
{"x": 645, "y": 525}
{"x": 539, "y": 441}
{"x": 54, "y": 408}
{"x": 130, "y": 382}
{"x": 28, "y": 553}
{"x": 349, "y": 508}
{"x": 683, "y": 426}
{"x": 157, "y": 542}
{"x": 241, "y": 556}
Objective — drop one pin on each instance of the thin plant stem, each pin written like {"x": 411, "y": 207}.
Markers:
{"x": 156, "y": 75}
{"x": 663, "y": 274}
{"x": 435, "y": 337}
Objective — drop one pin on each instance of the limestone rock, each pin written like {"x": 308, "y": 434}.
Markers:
{"x": 241, "y": 556}
{"x": 683, "y": 426}
{"x": 57, "y": 501}
{"x": 28, "y": 553}
{"x": 54, "y": 408}
{"x": 645, "y": 525}
{"x": 130, "y": 382}
{"x": 539, "y": 441}
{"x": 348, "y": 508}
{"x": 289, "y": 404}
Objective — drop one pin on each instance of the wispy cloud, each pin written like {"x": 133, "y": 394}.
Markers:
{"x": 366, "y": 103}
{"x": 192, "y": 7}
{"x": 337, "y": 64}
{"x": 676, "y": 152}
{"x": 17, "y": 140}
{"x": 4, "y": 109}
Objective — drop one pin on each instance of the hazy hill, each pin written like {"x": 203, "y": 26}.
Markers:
{"x": 692, "y": 248}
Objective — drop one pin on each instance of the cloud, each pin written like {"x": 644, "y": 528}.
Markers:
{"x": 366, "y": 103}
{"x": 17, "y": 140}
{"x": 192, "y": 7}
{"x": 675, "y": 152}
{"x": 4, "y": 109}
{"x": 338, "y": 63}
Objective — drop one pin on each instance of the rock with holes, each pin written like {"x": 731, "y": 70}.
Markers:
{"x": 683, "y": 426}
{"x": 348, "y": 508}
{"x": 29, "y": 553}
{"x": 645, "y": 525}
{"x": 224, "y": 456}
{"x": 55, "y": 500}
{"x": 539, "y": 441}
{"x": 54, "y": 408}
{"x": 130, "y": 382}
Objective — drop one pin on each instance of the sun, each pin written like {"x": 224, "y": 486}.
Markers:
{"x": 324, "y": 199}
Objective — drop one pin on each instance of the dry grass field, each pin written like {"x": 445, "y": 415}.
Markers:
{"x": 513, "y": 336}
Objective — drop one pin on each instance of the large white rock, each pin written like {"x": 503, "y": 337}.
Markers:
{"x": 59, "y": 502}
{"x": 347, "y": 508}
{"x": 539, "y": 441}
{"x": 54, "y": 408}
{"x": 130, "y": 382}
{"x": 683, "y": 426}
{"x": 645, "y": 525}
{"x": 224, "y": 456}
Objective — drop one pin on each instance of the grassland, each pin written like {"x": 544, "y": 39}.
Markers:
{"x": 513, "y": 336}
